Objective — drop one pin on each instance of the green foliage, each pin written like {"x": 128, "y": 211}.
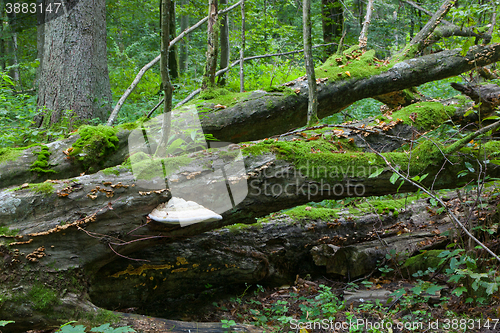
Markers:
{"x": 16, "y": 114}
{"x": 5, "y": 322}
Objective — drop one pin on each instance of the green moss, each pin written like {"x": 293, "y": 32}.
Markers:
{"x": 94, "y": 144}
{"x": 213, "y": 93}
{"x": 145, "y": 167}
{"x": 422, "y": 261}
{"x": 492, "y": 148}
{"x": 238, "y": 227}
{"x": 386, "y": 206}
{"x": 322, "y": 160}
{"x": 217, "y": 96}
{"x": 128, "y": 126}
{"x": 101, "y": 317}
{"x": 352, "y": 64}
{"x": 41, "y": 165}
{"x": 314, "y": 213}
{"x": 5, "y": 231}
{"x": 42, "y": 297}
{"x": 45, "y": 188}
{"x": 282, "y": 89}
{"x": 429, "y": 114}
{"x": 270, "y": 103}
{"x": 10, "y": 154}
{"x": 111, "y": 171}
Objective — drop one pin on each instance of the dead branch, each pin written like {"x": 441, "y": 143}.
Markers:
{"x": 443, "y": 204}
{"x": 429, "y": 28}
{"x": 364, "y": 32}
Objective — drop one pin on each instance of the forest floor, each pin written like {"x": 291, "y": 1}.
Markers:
{"x": 317, "y": 306}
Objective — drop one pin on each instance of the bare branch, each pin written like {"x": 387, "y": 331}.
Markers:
{"x": 449, "y": 29}
{"x": 364, "y": 32}
{"x": 428, "y": 29}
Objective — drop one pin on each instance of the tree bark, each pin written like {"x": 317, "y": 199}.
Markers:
{"x": 74, "y": 72}
{"x": 224, "y": 45}
{"x": 363, "y": 36}
{"x": 166, "y": 11}
{"x": 312, "y": 105}
{"x": 184, "y": 47}
{"x": 332, "y": 16}
{"x": 212, "y": 46}
{"x": 173, "y": 60}
{"x": 242, "y": 50}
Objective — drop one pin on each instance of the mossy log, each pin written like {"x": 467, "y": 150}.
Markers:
{"x": 173, "y": 282}
{"x": 264, "y": 114}
{"x": 105, "y": 149}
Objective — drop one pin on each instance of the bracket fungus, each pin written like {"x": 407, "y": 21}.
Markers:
{"x": 178, "y": 210}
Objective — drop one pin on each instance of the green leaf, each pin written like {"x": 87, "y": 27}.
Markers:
{"x": 459, "y": 291}
{"x": 468, "y": 113}
{"x": 434, "y": 289}
{"x": 469, "y": 167}
{"x": 376, "y": 173}
{"x": 398, "y": 293}
{"x": 491, "y": 287}
{"x": 497, "y": 162}
{"x": 417, "y": 290}
{"x": 492, "y": 118}
{"x": 394, "y": 178}
{"x": 72, "y": 329}
{"x": 173, "y": 147}
{"x": 5, "y": 322}
{"x": 466, "y": 46}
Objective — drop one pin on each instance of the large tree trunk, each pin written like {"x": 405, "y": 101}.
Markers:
{"x": 212, "y": 46}
{"x": 312, "y": 105}
{"x": 184, "y": 46}
{"x": 224, "y": 45}
{"x": 74, "y": 72}
{"x": 332, "y": 16}
{"x": 173, "y": 61}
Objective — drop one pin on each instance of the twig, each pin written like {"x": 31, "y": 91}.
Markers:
{"x": 121, "y": 255}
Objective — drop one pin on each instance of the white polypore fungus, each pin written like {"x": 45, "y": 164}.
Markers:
{"x": 178, "y": 210}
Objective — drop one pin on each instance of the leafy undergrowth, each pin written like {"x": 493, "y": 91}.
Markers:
{"x": 318, "y": 306}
